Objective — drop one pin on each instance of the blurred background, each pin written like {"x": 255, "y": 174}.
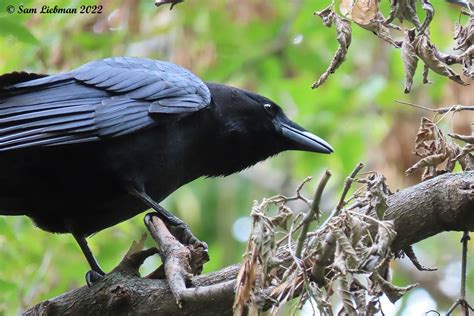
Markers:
{"x": 276, "y": 48}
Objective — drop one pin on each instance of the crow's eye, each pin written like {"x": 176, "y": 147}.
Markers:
{"x": 269, "y": 108}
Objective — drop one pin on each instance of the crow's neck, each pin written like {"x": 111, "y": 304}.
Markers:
{"x": 231, "y": 155}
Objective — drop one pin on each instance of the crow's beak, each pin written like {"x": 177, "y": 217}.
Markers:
{"x": 300, "y": 139}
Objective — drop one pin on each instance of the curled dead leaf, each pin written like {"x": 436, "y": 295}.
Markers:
{"x": 429, "y": 13}
{"x": 409, "y": 59}
{"x": 361, "y": 12}
{"x": 344, "y": 31}
{"x": 427, "y": 52}
{"x": 393, "y": 292}
{"x": 434, "y": 149}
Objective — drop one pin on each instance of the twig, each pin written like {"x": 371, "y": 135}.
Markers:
{"x": 347, "y": 186}
{"x": 452, "y": 108}
{"x": 174, "y": 255}
{"x": 461, "y": 301}
{"x": 465, "y": 239}
{"x": 410, "y": 253}
{"x": 313, "y": 212}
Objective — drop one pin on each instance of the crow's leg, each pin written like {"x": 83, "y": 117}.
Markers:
{"x": 177, "y": 227}
{"x": 96, "y": 272}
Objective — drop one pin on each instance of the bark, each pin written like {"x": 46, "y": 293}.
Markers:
{"x": 444, "y": 203}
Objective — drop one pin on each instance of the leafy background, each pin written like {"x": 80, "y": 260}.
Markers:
{"x": 276, "y": 48}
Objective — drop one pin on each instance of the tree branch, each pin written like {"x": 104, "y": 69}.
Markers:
{"x": 444, "y": 203}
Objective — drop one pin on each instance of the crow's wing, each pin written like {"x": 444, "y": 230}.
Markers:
{"x": 104, "y": 98}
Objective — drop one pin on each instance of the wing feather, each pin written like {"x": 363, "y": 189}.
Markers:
{"x": 102, "y": 99}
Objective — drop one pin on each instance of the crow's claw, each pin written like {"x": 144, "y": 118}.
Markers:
{"x": 179, "y": 229}
{"x": 92, "y": 277}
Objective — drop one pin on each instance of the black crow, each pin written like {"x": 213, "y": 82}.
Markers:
{"x": 84, "y": 150}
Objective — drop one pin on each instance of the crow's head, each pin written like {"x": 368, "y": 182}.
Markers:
{"x": 258, "y": 120}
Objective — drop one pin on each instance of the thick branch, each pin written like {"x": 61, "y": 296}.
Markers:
{"x": 444, "y": 203}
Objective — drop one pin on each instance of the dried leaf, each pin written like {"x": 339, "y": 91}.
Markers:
{"x": 349, "y": 255}
{"x": 376, "y": 194}
{"x": 429, "y": 11}
{"x": 361, "y": 12}
{"x": 434, "y": 149}
{"x": 339, "y": 262}
{"x": 385, "y": 236}
{"x": 428, "y": 53}
{"x": 373, "y": 306}
{"x": 358, "y": 293}
{"x": 365, "y": 13}
{"x": 345, "y": 244}
{"x": 378, "y": 27}
{"x": 346, "y": 296}
{"x": 429, "y": 161}
{"x": 426, "y": 71}
{"x": 254, "y": 270}
{"x": 393, "y": 292}
{"x": 467, "y": 149}
{"x": 344, "y": 31}
{"x": 403, "y": 9}
{"x": 464, "y": 35}
{"x": 358, "y": 228}
{"x": 407, "y": 10}
{"x": 409, "y": 59}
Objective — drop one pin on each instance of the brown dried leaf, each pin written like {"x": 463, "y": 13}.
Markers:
{"x": 378, "y": 27}
{"x": 358, "y": 291}
{"x": 393, "y": 292}
{"x": 344, "y": 31}
{"x": 339, "y": 262}
{"x": 409, "y": 59}
{"x": 345, "y": 246}
{"x": 376, "y": 194}
{"x": 464, "y": 35}
{"x": 467, "y": 149}
{"x": 365, "y": 13}
{"x": 434, "y": 149}
{"x": 426, "y": 71}
{"x": 254, "y": 270}
{"x": 346, "y": 296}
{"x": 358, "y": 228}
{"x": 407, "y": 10}
{"x": 429, "y": 161}
{"x": 429, "y": 11}
{"x": 245, "y": 281}
{"x": 385, "y": 235}
{"x": 361, "y": 12}
{"x": 428, "y": 53}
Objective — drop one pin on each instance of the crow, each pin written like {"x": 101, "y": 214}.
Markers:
{"x": 84, "y": 150}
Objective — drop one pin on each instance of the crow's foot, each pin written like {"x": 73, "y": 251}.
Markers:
{"x": 180, "y": 230}
{"x": 93, "y": 276}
